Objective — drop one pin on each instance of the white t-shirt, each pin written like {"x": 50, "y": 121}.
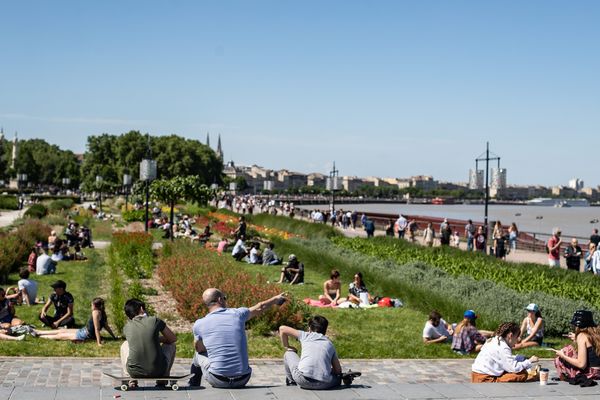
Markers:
{"x": 433, "y": 332}
{"x": 31, "y": 287}
{"x": 496, "y": 358}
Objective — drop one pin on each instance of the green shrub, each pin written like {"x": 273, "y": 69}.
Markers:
{"x": 522, "y": 277}
{"x": 132, "y": 253}
{"x": 38, "y": 211}
{"x": 298, "y": 227}
{"x": 134, "y": 215}
{"x": 9, "y": 203}
{"x": 60, "y": 205}
{"x": 15, "y": 245}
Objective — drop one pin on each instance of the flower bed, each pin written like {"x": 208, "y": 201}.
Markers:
{"x": 186, "y": 271}
{"x": 521, "y": 277}
{"x": 15, "y": 246}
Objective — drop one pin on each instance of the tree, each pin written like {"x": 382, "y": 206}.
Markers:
{"x": 46, "y": 164}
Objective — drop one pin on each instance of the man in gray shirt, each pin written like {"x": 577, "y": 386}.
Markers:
{"x": 318, "y": 367}
{"x": 220, "y": 341}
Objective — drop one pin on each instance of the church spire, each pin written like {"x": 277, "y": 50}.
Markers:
{"x": 219, "y": 148}
{"x": 207, "y": 139}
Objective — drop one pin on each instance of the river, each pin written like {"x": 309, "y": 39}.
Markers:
{"x": 573, "y": 221}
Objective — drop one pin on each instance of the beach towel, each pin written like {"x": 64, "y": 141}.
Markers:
{"x": 318, "y": 303}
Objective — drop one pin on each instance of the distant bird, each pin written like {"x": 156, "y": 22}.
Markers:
{"x": 539, "y": 217}
{"x": 517, "y": 214}
{"x": 594, "y": 221}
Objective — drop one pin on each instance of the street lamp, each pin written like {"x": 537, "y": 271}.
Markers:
{"x": 21, "y": 181}
{"x": 126, "y": 185}
{"x": 99, "y": 181}
{"x": 66, "y": 182}
{"x": 147, "y": 174}
{"x": 332, "y": 184}
{"x": 487, "y": 160}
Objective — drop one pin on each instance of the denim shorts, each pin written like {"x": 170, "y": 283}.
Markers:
{"x": 7, "y": 319}
{"x": 82, "y": 334}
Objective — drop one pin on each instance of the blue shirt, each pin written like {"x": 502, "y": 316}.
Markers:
{"x": 224, "y": 336}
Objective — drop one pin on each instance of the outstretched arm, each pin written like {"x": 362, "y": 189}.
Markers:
{"x": 263, "y": 306}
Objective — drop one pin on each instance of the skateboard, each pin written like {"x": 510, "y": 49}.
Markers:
{"x": 171, "y": 380}
{"x": 348, "y": 377}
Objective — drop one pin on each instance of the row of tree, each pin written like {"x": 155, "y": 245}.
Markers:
{"x": 110, "y": 156}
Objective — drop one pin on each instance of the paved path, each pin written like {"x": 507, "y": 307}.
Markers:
{"x": 8, "y": 217}
{"x": 81, "y": 378}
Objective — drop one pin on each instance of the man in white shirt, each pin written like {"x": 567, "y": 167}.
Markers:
{"x": 436, "y": 330}
{"x": 27, "y": 288}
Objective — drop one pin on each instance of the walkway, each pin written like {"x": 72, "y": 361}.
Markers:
{"x": 8, "y": 217}
{"x": 78, "y": 378}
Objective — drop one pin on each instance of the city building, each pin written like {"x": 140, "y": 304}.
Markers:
{"x": 576, "y": 184}
{"x": 498, "y": 178}
{"x": 476, "y": 179}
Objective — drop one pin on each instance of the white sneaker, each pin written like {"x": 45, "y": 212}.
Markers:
{"x": 22, "y": 337}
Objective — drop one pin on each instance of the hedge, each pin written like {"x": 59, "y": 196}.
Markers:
{"x": 9, "y": 203}
{"x": 15, "y": 246}
{"x": 38, "y": 211}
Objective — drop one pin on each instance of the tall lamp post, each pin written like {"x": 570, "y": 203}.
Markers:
{"x": 486, "y": 157}
{"x": 66, "y": 182}
{"x": 332, "y": 185}
{"x": 21, "y": 182}
{"x": 147, "y": 174}
{"x": 99, "y": 181}
{"x": 126, "y": 186}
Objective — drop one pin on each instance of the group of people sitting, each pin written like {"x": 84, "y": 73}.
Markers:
{"x": 495, "y": 361}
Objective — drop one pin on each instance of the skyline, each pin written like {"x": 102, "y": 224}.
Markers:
{"x": 389, "y": 89}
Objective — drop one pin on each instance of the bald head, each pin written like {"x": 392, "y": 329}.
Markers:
{"x": 211, "y": 296}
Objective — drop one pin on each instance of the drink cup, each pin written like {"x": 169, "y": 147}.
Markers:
{"x": 544, "y": 372}
{"x": 364, "y": 298}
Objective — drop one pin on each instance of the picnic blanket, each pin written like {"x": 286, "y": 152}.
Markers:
{"x": 318, "y": 303}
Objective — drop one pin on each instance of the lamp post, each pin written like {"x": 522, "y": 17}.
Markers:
{"x": 487, "y": 160}
{"x": 147, "y": 174}
{"x": 21, "y": 181}
{"x": 66, "y": 182}
{"x": 332, "y": 185}
{"x": 126, "y": 186}
{"x": 99, "y": 181}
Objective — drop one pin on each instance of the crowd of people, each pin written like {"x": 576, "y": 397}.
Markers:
{"x": 495, "y": 361}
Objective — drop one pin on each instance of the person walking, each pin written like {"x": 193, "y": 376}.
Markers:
{"x": 554, "y": 248}
{"x": 470, "y": 235}
{"x": 573, "y": 255}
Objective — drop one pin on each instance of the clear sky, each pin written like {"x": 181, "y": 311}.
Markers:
{"x": 384, "y": 88}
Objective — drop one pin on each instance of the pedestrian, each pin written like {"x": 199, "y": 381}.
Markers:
{"x": 470, "y": 235}
{"x": 428, "y": 235}
{"x": 573, "y": 255}
{"x": 553, "y": 248}
{"x": 402, "y": 224}
{"x": 513, "y": 234}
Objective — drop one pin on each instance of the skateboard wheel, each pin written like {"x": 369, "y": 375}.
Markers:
{"x": 175, "y": 386}
{"x": 124, "y": 387}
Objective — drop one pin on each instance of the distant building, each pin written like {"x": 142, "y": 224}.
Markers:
{"x": 424, "y": 182}
{"x": 476, "y": 179}
{"x": 563, "y": 191}
{"x": 498, "y": 180}
{"x": 590, "y": 193}
{"x": 316, "y": 180}
{"x": 576, "y": 184}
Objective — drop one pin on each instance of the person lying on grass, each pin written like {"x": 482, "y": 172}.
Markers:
{"x": 437, "y": 330}
{"x": 95, "y": 324}
{"x": 331, "y": 289}
{"x": 318, "y": 366}
{"x": 532, "y": 328}
{"x": 496, "y": 362}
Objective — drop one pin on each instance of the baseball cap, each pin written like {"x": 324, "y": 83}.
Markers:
{"x": 59, "y": 284}
{"x": 292, "y": 257}
{"x": 532, "y": 307}
{"x": 583, "y": 319}
{"x": 470, "y": 314}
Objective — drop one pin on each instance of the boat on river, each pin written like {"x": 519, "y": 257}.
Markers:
{"x": 549, "y": 202}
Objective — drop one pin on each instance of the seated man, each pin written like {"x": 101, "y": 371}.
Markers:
{"x": 318, "y": 367}
{"x": 27, "y": 288}
{"x": 44, "y": 264}
{"x": 436, "y": 330}
{"x": 269, "y": 256}
{"x": 63, "y": 305}
{"x": 255, "y": 256}
{"x": 220, "y": 341}
{"x": 149, "y": 350}
{"x": 293, "y": 272}
{"x": 239, "y": 250}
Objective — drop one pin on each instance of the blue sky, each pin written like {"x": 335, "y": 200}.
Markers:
{"x": 384, "y": 88}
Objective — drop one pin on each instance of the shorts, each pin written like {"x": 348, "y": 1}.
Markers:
{"x": 7, "y": 319}
{"x": 553, "y": 263}
{"x": 82, "y": 334}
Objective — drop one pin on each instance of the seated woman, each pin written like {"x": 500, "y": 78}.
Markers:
{"x": 356, "y": 288}
{"x": 437, "y": 330}
{"x": 467, "y": 339}
{"x": 7, "y": 312}
{"x": 532, "y": 327}
{"x": 496, "y": 362}
{"x": 583, "y": 358}
{"x": 331, "y": 289}
{"x": 92, "y": 329}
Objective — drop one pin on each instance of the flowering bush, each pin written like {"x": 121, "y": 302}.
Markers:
{"x": 132, "y": 252}
{"x": 189, "y": 270}
{"x": 15, "y": 246}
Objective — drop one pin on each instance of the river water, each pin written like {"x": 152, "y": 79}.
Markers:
{"x": 573, "y": 221}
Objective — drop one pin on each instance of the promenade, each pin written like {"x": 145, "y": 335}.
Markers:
{"x": 81, "y": 378}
